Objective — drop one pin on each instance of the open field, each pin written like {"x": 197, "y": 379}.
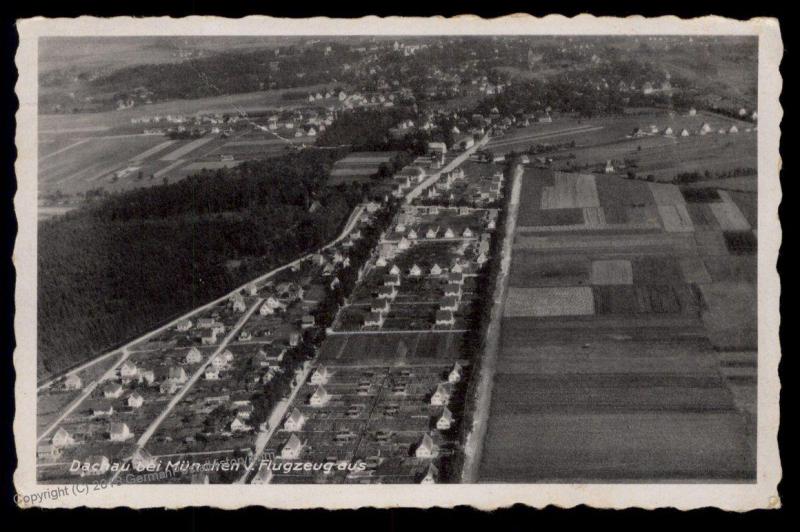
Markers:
{"x": 607, "y": 369}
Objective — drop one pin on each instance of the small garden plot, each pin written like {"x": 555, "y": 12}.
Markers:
{"x": 656, "y": 270}
{"x": 747, "y": 203}
{"x": 570, "y": 191}
{"x": 594, "y": 217}
{"x": 657, "y": 299}
{"x": 611, "y": 272}
{"x": 700, "y": 195}
{"x": 675, "y": 218}
{"x": 731, "y": 314}
{"x": 616, "y": 214}
{"x": 549, "y": 301}
{"x": 666, "y": 194}
{"x": 702, "y": 217}
{"x": 646, "y": 215}
{"x": 732, "y": 269}
{"x": 729, "y": 216}
{"x": 619, "y": 299}
{"x": 694, "y": 271}
{"x": 711, "y": 243}
{"x": 741, "y": 242}
{"x": 529, "y": 269}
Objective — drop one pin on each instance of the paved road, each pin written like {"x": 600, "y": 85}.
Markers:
{"x": 274, "y": 422}
{"x": 151, "y": 429}
{"x": 473, "y": 447}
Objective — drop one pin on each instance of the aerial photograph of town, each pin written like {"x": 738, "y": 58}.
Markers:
{"x": 397, "y": 259}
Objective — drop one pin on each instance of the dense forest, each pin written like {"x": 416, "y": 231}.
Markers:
{"x": 125, "y": 264}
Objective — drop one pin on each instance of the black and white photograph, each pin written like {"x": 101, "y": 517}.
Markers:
{"x": 407, "y": 257}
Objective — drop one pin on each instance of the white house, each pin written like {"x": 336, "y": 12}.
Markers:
{"x": 194, "y": 356}
{"x": 292, "y": 448}
{"x": 387, "y": 292}
{"x": 119, "y": 432}
{"x": 448, "y": 233}
{"x": 113, "y": 391}
{"x": 455, "y": 374}
{"x": 432, "y": 232}
{"x": 426, "y": 448}
{"x": 184, "y": 325}
{"x": 177, "y": 375}
{"x": 135, "y": 400}
{"x": 415, "y": 271}
{"x": 295, "y": 421}
{"x": 441, "y": 396}
{"x": 449, "y": 303}
{"x": 128, "y": 370}
{"x": 320, "y": 376}
{"x": 431, "y": 475}
{"x": 394, "y": 270}
{"x": 436, "y": 270}
{"x": 684, "y": 132}
{"x": 238, "y": 303}
{"x": 320, "y": 397}
{"x": 467, "y": 233}
{"x": 62, "y": 438}
{"x": 452, "y": 289}
{"x": 73, "y": 382}
{"x": 239, "y": 425}
{"x": 373, "y": 319}
{"x": 733, "y": 129}
{"x": 445, "y": 421}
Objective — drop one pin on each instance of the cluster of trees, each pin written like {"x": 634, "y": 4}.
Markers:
{"x": 693, "y": 177}
{"x": 126, "y": 263}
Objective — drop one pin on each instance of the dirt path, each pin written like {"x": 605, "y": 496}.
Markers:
{"x": 473, "y": 448}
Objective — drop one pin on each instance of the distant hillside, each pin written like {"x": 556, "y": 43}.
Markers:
{"x": 116, "y": 269}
